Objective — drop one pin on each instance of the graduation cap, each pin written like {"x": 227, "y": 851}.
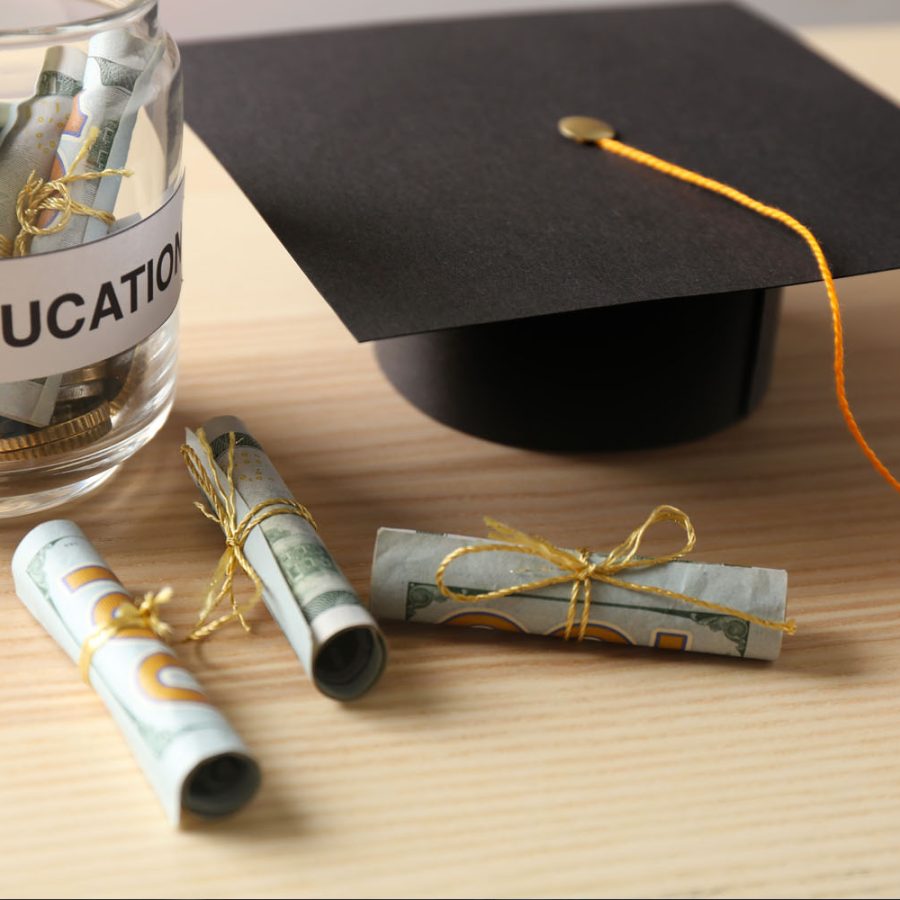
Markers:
{"x": 528, "y": 290}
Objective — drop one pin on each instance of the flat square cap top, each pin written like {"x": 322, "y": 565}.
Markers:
{"x": 416, "y": 174}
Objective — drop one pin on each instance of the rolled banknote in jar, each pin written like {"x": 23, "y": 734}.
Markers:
{"x": 29, "y": 146}
{"x": 90, "y": 149}
{"x": 188, "y": 751}
{"x": 335, "y": 637}
{"x": 405, "y": 588}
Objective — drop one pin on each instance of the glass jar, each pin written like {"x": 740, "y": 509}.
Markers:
{"x": 90, "y": 242}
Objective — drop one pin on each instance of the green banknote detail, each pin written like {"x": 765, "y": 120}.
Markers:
{"x": 116, "y": 74}
{"x": 37, "y": 571}
{"x": 420, "y": 595}
{"x": 52, "y": 83}
{"x": 328, "y": 600}
{"x": 300, "y": 561}
{"x": 102, "y": 146}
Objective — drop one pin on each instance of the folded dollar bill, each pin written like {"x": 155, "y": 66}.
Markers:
{"x": 28, "y": 143}
{"x": 333, "y": 634}
{"x": 31, "y": 402}
{"x": 118, "y": 68}
{"x": 32, "y": 135}
{"x": 190, "y": 754}
{"x": 404, "y": 588}
{"x": 94, "y": 97}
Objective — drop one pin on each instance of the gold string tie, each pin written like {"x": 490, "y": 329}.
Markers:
{"x": 39, "y": 196}
{"x": 582, "y": 573}
{"x": 128, "y": 617}
{"x": 222, "y": 500}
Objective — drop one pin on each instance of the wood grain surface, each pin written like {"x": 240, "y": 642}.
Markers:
{"x": 487, "y": 764}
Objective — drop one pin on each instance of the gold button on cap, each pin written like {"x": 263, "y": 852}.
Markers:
{"x": 585, "y": 130}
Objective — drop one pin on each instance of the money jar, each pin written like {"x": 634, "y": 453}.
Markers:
{"x": 91, "y": 193}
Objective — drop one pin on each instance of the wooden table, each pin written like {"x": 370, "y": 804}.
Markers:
{"x": 484, "y": 764}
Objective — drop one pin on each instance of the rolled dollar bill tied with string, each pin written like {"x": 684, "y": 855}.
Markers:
{"x": 28, "y": 145}
{"x": 188, "y": 751}
{"x": 515, "y": 582}
{"x": 274, "y": 540}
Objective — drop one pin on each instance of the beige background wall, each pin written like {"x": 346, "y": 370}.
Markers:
{"x": 198, "y": 19}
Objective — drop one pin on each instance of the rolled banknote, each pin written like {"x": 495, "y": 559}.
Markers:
{"x": 188, "y": 751}
{"x": 117, "y": 68}
{"x": 29, "y": 144}
{"x": 31, "y": 141}
{"x": 404, "y": 588}
{"x": 333, "y": 634}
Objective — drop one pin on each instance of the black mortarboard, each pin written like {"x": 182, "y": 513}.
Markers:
{"x": 524, "y": 288}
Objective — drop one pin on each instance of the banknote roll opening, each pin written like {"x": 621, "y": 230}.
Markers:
{"x": 348, "y": 664}
{"x": 221, "y": 785}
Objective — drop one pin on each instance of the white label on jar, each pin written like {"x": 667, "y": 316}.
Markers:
{"x": 71, "y": 308}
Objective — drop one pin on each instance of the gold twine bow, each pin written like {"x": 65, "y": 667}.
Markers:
{"x": 144, "y": 617}
{"x": 39, "y": 196}
{"x": 222, "y": 500}
{"x": 581, "y": 572}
